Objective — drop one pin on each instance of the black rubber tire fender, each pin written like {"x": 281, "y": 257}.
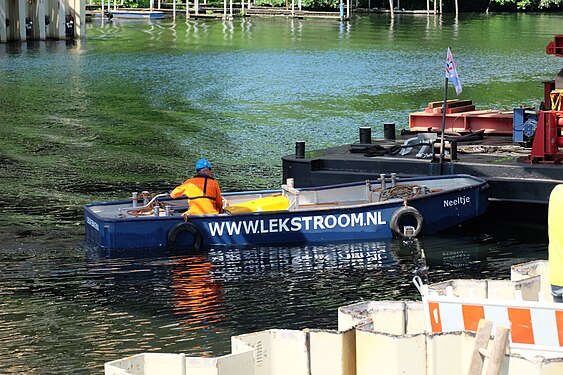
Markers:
{"x": 402, "y": 212}
{"x": 185, "y": 226}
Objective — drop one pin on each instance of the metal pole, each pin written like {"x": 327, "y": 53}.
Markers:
{"x": 443, "y": 127}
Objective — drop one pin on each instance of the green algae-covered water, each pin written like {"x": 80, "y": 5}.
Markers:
{"x": 135, "y": 104}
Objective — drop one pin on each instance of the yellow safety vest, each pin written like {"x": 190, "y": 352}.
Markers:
{"x": 555, "y": 231}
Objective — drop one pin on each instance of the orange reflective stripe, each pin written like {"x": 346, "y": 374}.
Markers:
{"x": 434, "y": 311}
{"x": 521, "y": 328}
{"x": 541, "y": 325}
{"x": 471, "y": 316}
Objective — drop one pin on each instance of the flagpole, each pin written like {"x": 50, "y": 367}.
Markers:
{"x": 443, "y": 127}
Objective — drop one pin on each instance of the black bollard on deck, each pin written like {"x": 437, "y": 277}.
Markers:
{"x": 365, "y": 135}
{"x": 299, "y": 150}
{"x": 389, "y": 130}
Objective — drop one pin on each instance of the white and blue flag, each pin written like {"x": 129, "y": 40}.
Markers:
{"x": 451, "y": 72}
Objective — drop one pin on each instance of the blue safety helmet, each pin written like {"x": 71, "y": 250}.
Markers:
{"x": 202, "y": 163}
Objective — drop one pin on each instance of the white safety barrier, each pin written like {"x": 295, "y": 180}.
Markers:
{"x": 533, "y": 325}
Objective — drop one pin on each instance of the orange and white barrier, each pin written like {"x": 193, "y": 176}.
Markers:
{"x": 533, "y": 325}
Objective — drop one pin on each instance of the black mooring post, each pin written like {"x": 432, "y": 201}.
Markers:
{"x": 389, "y": 130}
{"x": 365, "y": 135}
{"x": 299, "y": 150}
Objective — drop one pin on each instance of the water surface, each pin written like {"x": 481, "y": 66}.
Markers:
{"x": 133, "y": 106}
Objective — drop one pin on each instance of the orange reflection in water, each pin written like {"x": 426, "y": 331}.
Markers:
{"x": 197, "y": 295}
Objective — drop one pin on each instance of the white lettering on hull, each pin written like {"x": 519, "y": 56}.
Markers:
{"x": 295, "y": 224}
{"x": 459, "y": 201}
{"x": 93, "y": 224}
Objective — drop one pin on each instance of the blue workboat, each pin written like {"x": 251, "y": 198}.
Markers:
{"x": 137, "y": 14}
{"x": 365, "y": 210}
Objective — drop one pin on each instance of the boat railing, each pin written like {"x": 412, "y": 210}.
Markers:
{"x": 292, "y": 194}
{"x": 145, "y": 209}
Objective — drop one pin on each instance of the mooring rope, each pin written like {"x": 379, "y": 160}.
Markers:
{"x": 404, "y": 191}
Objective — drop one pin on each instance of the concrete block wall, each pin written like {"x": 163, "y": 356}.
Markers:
{"x": 374, "y": 337}
{"x": 394, "y": 317}
{"x": 529, "y": 270}
{"x": 528, "y": 288}
{"x": 332, "y": 352}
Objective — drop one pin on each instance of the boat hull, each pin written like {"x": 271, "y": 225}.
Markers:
{"x": 363, "y": 222}
{"x": 130, "y": 14}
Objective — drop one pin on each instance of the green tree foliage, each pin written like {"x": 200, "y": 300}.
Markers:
{"x": 532, "y": 4}
{"x": 306, "y": 4}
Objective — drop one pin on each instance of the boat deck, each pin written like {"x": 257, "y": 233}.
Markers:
{"x": 329, "y": 197}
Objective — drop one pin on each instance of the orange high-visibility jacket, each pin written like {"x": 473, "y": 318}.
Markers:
{"x": 203, "y": 193}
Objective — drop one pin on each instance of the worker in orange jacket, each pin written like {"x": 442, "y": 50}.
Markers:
{"x": 202, "y": 191}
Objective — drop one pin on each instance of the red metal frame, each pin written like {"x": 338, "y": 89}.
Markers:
{"x": 491, "y": 121}
{"x": 548, "y": 138}
{"x": 555, "y": 47}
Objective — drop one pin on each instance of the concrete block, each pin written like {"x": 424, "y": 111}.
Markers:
{"x": 449, "y": 353}
{"x": 382, "y": 353}
{"x": 278, "y": 351}
{"x": 332, "y": 352}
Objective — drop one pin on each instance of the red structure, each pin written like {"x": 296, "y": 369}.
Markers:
{"x": 555, "y": 47}
{"x": 548, "y": 138}
{"x": 461, "y": 117}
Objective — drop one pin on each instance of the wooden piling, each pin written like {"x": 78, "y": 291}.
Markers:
{"x": 481, "y": 342}
{"x": 3, "y": 26}
{"x": 495, "y": 354}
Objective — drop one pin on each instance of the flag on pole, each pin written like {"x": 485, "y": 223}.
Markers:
{"x": 451, "y": 72}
